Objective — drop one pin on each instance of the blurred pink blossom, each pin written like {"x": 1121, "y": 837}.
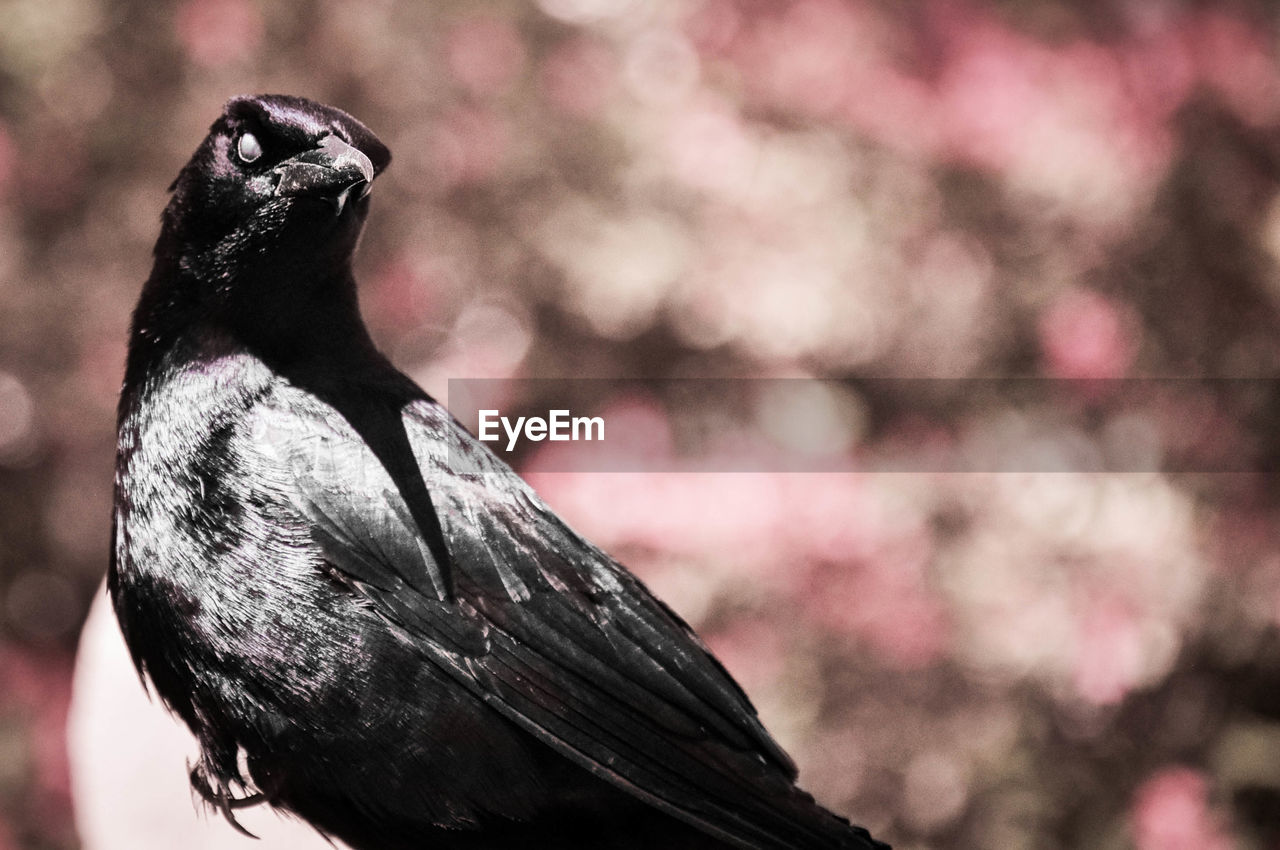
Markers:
{"x": 752, "y": 652}
{"x": 469, "y": 146}
{"x": 714, "y": 25}
{"x": 8, "y": 155}
{"x": 1012, "y": 104}
{"x": 399, "y": 296}
{"x": 37, "y": 686}
{"x": 836, "y": 519}
{"x": 33, "y": 680}
{"x": 1234, "y": 539}
{"x": 1171, "y": 812}
{"x": 990, "y": 90}
{"x": 709, "y": 147}
{"x": 1158, "y": 71}
{"x": 51, "y": 174}
{"x": 1085, "y": 335}
{"x": 729, "y": 518}
{"x": 1109, "y": 651}
{"x": 579, "y": 76}
{"x": 885, "y": 603}
{"x": 1238, "y": 62}
{"x": 101, "y": 363}
{"x": 485, "y": 54}
{"x": 992, "y": 96}
{"x": 812, "y": 56}
{"x": 217, "y": 32}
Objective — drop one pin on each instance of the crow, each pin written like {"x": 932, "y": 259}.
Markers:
{"x": 366, "y": 618}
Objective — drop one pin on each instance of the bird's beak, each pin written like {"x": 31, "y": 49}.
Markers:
{"x": 331, "y": 171}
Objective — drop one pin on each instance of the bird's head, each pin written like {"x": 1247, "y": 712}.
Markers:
{"x": 259, "y": 234}
{"x": 280, "y": 183}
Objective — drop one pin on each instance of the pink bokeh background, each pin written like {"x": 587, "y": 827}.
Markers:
{"x": 842, "y": 189}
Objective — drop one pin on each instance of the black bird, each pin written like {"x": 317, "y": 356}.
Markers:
{"x": 366, "y": 618}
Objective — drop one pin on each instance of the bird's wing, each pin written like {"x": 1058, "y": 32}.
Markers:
{"x": 543, "y": 626}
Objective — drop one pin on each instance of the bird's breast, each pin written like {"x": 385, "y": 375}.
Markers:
{"x": 210, "y": 579}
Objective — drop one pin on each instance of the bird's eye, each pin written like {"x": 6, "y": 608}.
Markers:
{"x": 248, "y": 148}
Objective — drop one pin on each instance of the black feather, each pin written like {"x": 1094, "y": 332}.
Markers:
{"x": 405, "y": 653}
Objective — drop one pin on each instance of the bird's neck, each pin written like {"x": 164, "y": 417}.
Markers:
{"x": 295, "y": 323}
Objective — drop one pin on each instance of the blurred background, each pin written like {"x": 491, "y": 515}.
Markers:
{"x": 845, "y": 189}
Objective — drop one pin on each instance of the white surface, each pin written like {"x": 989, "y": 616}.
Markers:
{"x": 129, "y": 764}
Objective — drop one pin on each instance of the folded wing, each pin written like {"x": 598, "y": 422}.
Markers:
{"x": 541, "y": 625}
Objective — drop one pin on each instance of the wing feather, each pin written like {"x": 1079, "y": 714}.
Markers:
{"x": 544, "y": 627}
